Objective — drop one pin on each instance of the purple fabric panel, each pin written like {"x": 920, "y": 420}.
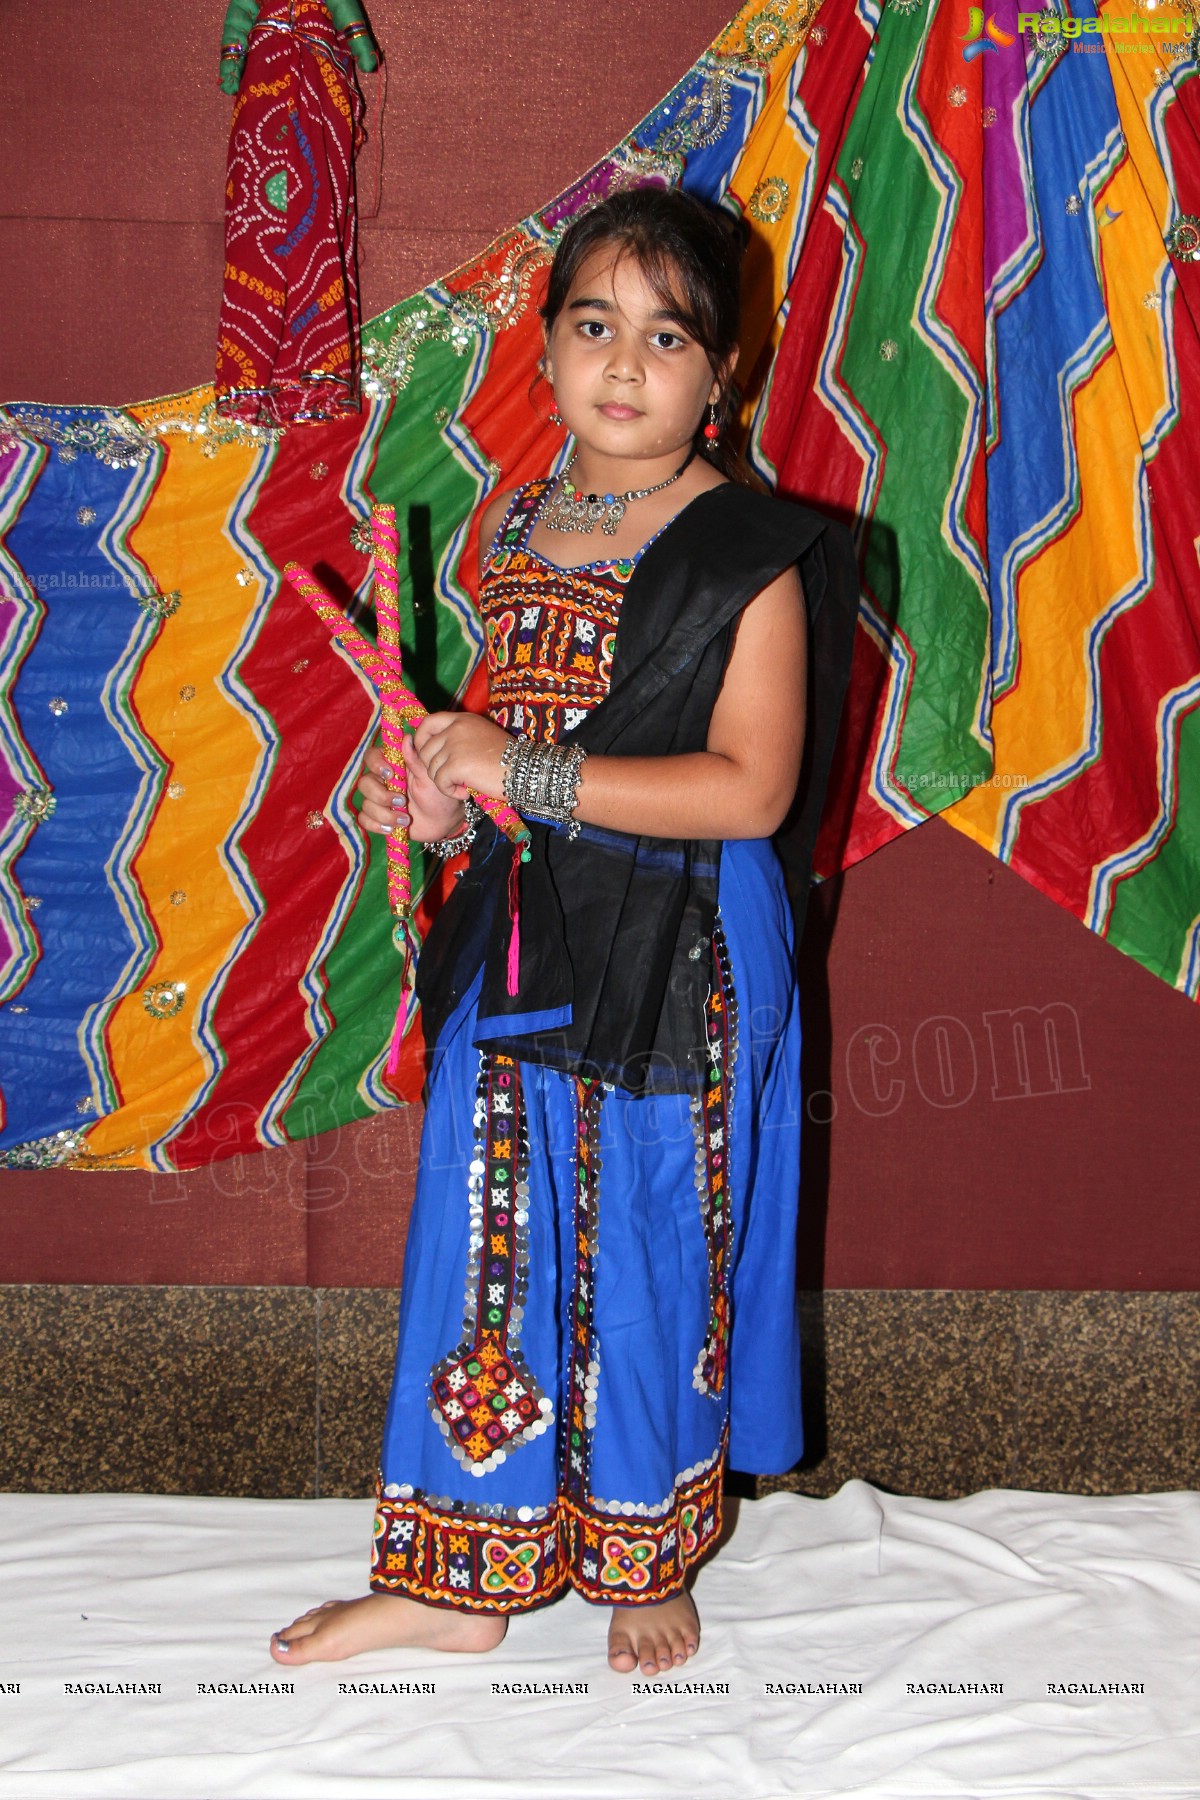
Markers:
{"x": 1004, "y": 218}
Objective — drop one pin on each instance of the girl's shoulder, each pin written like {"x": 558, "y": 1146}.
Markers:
{"x": 493, "y": 515}
{"x": 519, "y": 502}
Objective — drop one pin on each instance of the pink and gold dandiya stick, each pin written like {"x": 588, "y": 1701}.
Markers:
{"x": 380, "y": 673}
{"x": 385, "y": 552}
{"x": 401, "y": 709}
{"x": 385, "y": 544}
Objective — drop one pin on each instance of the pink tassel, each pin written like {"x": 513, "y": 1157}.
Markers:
{"x": 393, "y": 1061}
{"x": 514, "y": 913}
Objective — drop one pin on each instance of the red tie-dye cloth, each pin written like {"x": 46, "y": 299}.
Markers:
{"x": 288, "y": 345}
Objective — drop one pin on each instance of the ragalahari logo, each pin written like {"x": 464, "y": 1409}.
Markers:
{"x": 984, "y": 34}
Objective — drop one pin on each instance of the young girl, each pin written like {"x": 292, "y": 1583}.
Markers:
{"x": 610, "y": 1156}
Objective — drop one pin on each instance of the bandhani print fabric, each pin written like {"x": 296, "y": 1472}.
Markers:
{"x": 970, "y": 328}
{"x": 287, "y": 346}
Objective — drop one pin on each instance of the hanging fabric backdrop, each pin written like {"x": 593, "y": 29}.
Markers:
{"x": 970, "y": 329}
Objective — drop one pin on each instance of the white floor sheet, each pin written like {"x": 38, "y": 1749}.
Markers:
{"x": 895, "y": 1595}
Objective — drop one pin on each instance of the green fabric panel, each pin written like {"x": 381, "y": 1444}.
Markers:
{"x": 1154, "y": 912}
{"x": 362, "y": 971}
{"x": 913, "y": 400}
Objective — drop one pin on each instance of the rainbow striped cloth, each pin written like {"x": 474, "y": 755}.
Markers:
{"x": 967, "y": 331}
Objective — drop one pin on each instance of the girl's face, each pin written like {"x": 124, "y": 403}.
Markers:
{"x": 628, "y": 380}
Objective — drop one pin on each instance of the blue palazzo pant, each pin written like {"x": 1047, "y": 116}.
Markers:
{"x": 599, "y": 1305}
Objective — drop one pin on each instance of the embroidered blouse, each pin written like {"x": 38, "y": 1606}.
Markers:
{"x": 550, "y": 631}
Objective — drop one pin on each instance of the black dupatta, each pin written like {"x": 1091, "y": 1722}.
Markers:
{"x": 616, "y": 930}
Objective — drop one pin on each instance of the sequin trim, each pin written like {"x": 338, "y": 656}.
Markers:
{"x": 388, "y": 361}
{"x": 712, "y": 1115}
{"x": 583, "y": 1372}
{"x": 481, "y": 1564}
{"x": 522, "y": 1515}
{"x": 44, "y": 1153}
{"x": 111, "y": 437}
{"x": 160, "y": 606}
{"x": 483, "y": 1398}
{"x": 770, "y": 200}
{"x": 35, "y": 804}
{"x": 121, "y": 442}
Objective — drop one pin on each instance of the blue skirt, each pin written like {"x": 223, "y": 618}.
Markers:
{"x": 599, "y": 1307}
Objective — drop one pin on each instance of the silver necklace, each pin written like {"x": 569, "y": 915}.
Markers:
{"x": 571, "y": 510}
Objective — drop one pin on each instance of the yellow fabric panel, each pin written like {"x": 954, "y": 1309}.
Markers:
{"x": 211, "y": 748}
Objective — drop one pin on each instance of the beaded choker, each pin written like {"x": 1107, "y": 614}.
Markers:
{"x": 571, "y": 510}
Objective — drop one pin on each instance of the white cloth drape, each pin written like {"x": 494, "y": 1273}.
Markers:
{"x": 1013, "y": 1588}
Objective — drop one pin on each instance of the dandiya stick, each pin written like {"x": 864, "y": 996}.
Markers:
{"x": 381, "y": 663}
{"x": 385, "y": 548}
{"x": 381, "y": 671}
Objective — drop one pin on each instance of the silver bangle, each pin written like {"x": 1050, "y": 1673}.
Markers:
{"x": 462, "y": 840}
{"x": 543, "y": 779}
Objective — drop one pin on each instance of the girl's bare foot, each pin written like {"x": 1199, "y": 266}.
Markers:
{"x": 344, "y": 1628}
{"x": 653, "y": 1638}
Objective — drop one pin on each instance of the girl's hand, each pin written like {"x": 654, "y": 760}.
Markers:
{"x": 429, "y": 814}
{"x": 461, "y": 751}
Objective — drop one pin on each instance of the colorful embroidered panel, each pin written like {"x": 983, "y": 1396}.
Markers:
{"x": 969, "y": 326}
{"x": 583, "y": 1361}
{"x": 550, "y": 631}
{"x": 712, "y": 1113}
{"x": 483, "y": 1397}
{"x": 487, "y": 1561}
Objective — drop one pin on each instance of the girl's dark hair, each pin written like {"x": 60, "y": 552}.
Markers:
{"x": 690, "y": 255}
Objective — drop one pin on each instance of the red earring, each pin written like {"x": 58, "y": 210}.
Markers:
{"x": 712, "y": 430}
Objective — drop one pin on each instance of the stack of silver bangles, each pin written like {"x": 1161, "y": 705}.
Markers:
{"x": 543, "y": 779}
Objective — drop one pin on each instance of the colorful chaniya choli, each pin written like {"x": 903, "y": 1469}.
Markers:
{"x": 630, "y": 1321}
{"x": 550, "y": 631}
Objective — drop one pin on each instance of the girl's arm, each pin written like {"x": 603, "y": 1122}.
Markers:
{"x": 741, "y": 786}
{"x": 743, "y": 783}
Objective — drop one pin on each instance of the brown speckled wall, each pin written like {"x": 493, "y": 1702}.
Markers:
{"x": 282, "y": 1391}
{"x": 965, "y": 1168}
